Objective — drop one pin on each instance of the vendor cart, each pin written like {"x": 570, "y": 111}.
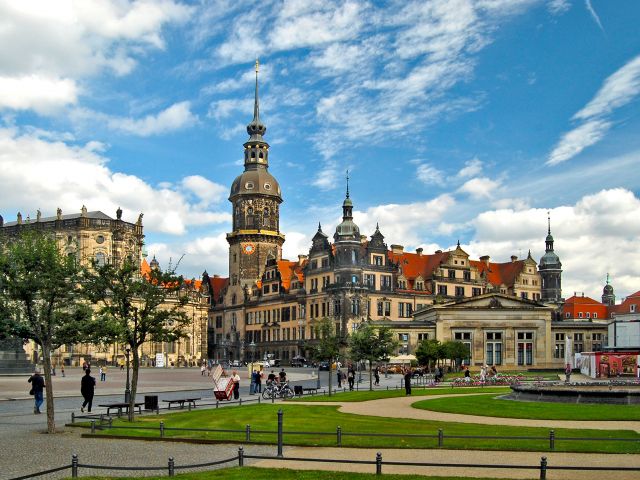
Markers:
{"x": 222, "y": 387}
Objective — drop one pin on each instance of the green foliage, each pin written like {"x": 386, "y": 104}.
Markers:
{"x": 328, "y": 342}
{"x": 372, "y": 344}
{"x": 428, "y": 352}
{"x": 39, "y": 300}
{"x": 366, "y": 395}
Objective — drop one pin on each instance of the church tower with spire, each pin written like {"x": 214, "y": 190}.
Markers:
{"x": 255, "y": 198}
{"x": 550, "y": 270}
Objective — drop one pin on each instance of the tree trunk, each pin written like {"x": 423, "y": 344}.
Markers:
{"x": 370, "y": 375}
{"x": 46, "y": 365}
{"x": 134, "y": 382}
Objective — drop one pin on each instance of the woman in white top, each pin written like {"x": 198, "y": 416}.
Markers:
{"x": 236, "y": 384}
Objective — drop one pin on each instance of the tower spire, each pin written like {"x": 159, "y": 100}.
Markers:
{"x": 347, "y": 183}
{"x": 548, "y": 223}
{"x": 256, "y": 129}
{"x": 256, "y": 103}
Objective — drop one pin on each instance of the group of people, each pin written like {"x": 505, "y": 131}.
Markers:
{"x": 350, "y": 377}
{"x": 87, "y": 388}
{"x": 485, "y": 372}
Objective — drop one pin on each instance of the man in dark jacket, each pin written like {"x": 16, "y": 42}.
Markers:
{"x": 87, "y": 387}
{"x": 37, "y": 387}
{"x": 407, "y": 381}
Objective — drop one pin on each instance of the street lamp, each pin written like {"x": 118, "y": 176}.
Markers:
{"x": 127, "y": 390}
{"x": 252, "y": 347}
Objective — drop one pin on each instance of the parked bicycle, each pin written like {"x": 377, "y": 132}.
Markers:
{"x": 275, "y": 390}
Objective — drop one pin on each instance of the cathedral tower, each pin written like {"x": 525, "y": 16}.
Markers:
{"x": 550, "y": 270}
{"x": 256, "y": 198}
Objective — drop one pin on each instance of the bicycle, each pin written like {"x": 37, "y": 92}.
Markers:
{"x": 275, "y": 390}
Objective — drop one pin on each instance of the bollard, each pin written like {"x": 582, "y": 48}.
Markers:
{"x": 280, "y": 433}
{"x": 339, "y": 435}
{"x": 440, "y": 437}
{"x": 552, "y": 440}
{"x": 157, "y": 410}
{"x": 387, "y": 387}
{"x": 543, "y": 468}
{"x": 240, "y": 457}
{"x": 217, "y": 402}
{"x": 273, "y": 399}
{"x": 189, "y": 405}
{"x": 93, "y": 427}
{"x": 240, "y": 403}
{"x": 248, "y": 433}
{"x": 110, "y": 422}
{"x": 259, "y": 399}
{"x": 172, "y": 470}
{"x": 161, "y": 429}
{"x": 74, "y": 465}
{"x": 378, "y": 463}
{"x": 73, "y": 417}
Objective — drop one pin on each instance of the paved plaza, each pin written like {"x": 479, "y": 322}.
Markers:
{"x": 25, "y": 448}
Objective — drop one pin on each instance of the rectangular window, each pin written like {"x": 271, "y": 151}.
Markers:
{"x": 525, "y": 348}
{"x": 265, "y": 289}
{"x": 385, "y": 282}
{"x": 274, "y": 287}
{"x": 325, "y": 262}
{"x": 405, "y": 309}
{"x": 219, "y": 321}
{"x": 370, "y": 280}
{"x": 579, "y": 314}
{"x": 467, "y": 276}
{"x": 378, "y": 260}
{"x": 494, "y": 348}
{"x": 403, "y": 337}
{"x": 465, "y": 338}
{"x": 476, "y": 291}
{"x": 423, "y": 336}
{"x": 459, "y": 291}
{"x": 442, "y": 290}
{"x": 524, "y": 295}
{"x": 595, "y": 314}
{"x": 578, "y": 342}
{"x": 452, "y": 274}
{"x": 559, "y": 347}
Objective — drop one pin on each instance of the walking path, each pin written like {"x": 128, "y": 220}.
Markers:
{"x": 400, "y": 407}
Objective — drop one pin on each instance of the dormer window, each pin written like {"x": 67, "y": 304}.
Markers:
{"x": 248, "y": 185}
{"x": 267, "y": 186}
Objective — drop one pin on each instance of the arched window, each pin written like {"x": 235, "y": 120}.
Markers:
{"x": 353, "y": 256}
{"x": 101, "y": 259}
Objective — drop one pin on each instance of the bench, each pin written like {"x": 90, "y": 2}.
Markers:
{"x": 313, "y": 390}
{"x": 121, "y": 406}
{"x": 181, "y": 401}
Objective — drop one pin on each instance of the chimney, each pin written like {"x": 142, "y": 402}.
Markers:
{"x": 438, "y": 251}
{"x": 419, "y": 251}
{"x": 215, "y": 275}
{"x": 513, "y": 258}
{"x": 485, "y": 259}
{"x": 301, "y": 259}
{"x": 397, "y": 249}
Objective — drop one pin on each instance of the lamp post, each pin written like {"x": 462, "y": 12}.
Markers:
{"x": 127, "y": 390}
{"x": 252, "y": 347}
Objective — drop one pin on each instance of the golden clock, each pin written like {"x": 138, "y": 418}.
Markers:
{"x": 248, "y": 248}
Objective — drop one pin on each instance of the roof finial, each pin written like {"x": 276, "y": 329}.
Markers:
{"x": 607, "y": 278}
{"x": 256, "y": 105}
{"x": 549, "y": 222}
{"x": 347, "y": 183}
{"x": 458, "y": 243}
{"x": 319, "y": 227}
{"x": 377, "y": 226}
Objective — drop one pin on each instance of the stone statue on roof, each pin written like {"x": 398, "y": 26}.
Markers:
{"x": 83, "y": 211}
{"x": 19, "y": 218}
{"x": 140, "y": 219}
{"x": 59, "y": 214}
{"x": 119, "y": 214}
{"x": 38, "y": 215}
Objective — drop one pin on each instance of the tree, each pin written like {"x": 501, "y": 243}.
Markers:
{"x": 39, "y": 300}
{"x": 428, "y": 351}
{"x": 455, "y": 350}
{"x": 328, "y": 344}
{"x": 133, "y": 309}
{"x": 372, "y": 344}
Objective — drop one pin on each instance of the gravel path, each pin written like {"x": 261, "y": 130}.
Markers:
{"x": 400, "y": 407}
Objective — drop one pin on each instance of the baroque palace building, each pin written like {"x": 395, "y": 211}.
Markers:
{"x": 89, "y": 236}
{"x": 507, "y": 313}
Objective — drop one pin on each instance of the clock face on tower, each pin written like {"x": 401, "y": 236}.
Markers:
{"x": 248, "y": 248}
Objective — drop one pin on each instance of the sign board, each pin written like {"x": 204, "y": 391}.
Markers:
{"x": 159, "y": 360}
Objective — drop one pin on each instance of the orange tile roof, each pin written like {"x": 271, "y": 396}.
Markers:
{"x": 145, "y": 269}
{"x": 499, "y": 273}
{"x": 414, "y": 265}
{"x": 217, "y": 284}
{"x": 288, "y": 270}
{"x": 624, "y": 307}
{"x": 576, "y": 300}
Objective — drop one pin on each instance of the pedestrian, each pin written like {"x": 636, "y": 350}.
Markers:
{"x": 87, "y": 388}
{"x": 236, "y": 384}
{"x": 483, "y": 373}
{"x": 84, "y": 366}
{"x": 339, "y": 376}
{"x": 351, "y": 376}
{"x": 62, "y": 370}
{"x": 53, "y": 369}
{"x": 100, "y": 371}
{"x": 494, "y": 371}
{"x": 271, "y": 378}
{"x": 567, "y": 373}
{"x": 252, "y": 386}
{"x": 467, "y": 375}
{"x": 37, "y": 389}
{"x": 203, "y": 369}
{"x": 104, "y": 373}
{"x": 376, "y": 375}
{"x": 283, "y": 376}
{"x": 407, "y": 381}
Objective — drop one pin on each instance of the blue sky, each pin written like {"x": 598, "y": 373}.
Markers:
{"x": 457, "y": 119}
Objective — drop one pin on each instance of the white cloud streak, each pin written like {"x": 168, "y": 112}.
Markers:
{"x": 593, "y": 14}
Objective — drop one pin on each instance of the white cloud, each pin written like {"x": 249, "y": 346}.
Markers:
{"x": 558, "y": 7}
{"x": 34, "y": 92}
{"x": 616, "y": 91}
{"x": 576, "y": 140}
{"x": 471, "y": 168}
{"x": 429, "y": 175}
{"x": 480, "y": 187}
{"x": 593, "y": 14}
{"x": 37, "y": 173}
{"x": 175, "y": 117}
{"x": 57, "y": 43}
{"x": 206, "y": 190}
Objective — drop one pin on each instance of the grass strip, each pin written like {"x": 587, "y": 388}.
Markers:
{"x": 255, "y": 473}
{"x": 488, "y": 406}
{"x": 326, "y": 419}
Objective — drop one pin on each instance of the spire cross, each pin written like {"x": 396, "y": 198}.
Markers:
{"x": 607, "y": 278}
{"x": 549, "y": 222}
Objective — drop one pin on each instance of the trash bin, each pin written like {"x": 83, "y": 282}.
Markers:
{"x": 297, "y": 389}
{"x": 150, "y": 402}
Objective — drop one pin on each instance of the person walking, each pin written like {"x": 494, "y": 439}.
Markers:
{"x": 567, "y": 373}
{"x": 259, "y": 376}
{"x": 203, "y": 369}
{"x": 62, "y": 370}
{"x": 252, "y": 386}
{"x": 283, "y": 376}
{"x": 351, "y": 376}
{"x": 236, "y": 384}
{"x": 339, "y": 377}
{"x": 376, "y": 375}
{"x": 87, "y": 389}
{"x": 483, "y": 373}
{"x": 407, "y": 381}
{"x": 37, "y": 389}
{"x": 101, "y": 374}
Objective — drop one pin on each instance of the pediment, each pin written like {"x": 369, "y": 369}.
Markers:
{"x": 493, "y": 300}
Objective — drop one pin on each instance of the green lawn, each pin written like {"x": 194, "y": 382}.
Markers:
{"x": 254, "y": 473}
{"x": 487, "y": 406}
{"x": 363, "y": 395}
{"x": 325, "y": 419}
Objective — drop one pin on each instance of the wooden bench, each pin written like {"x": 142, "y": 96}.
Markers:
{"x": 313, "y": 390}
{"x": 181, "y": 401}
{"x": 120, "y": 406}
